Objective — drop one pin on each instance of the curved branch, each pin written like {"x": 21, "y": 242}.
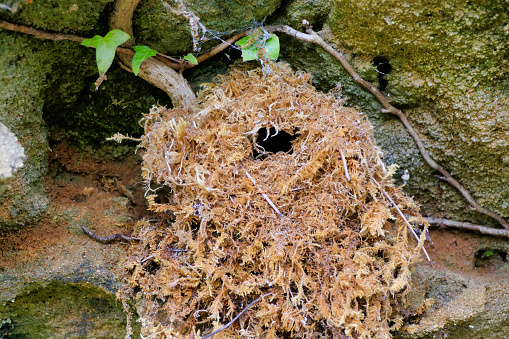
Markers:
{"x": 153, "y": 70}
{"x": 468, "y": 226}
{"x": 312, "y": 37}
{"x": 38, "y": 33}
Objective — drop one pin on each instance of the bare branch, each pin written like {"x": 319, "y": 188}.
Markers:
{"x": 468, "y": 226}
{"x": 38, "y": 33}
{"x": 107, "y": 239}
{"x": 402, "y": 216}
{"x": 210, "y": 335}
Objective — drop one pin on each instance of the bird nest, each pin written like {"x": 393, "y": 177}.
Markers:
{"x": 281, "y": 215}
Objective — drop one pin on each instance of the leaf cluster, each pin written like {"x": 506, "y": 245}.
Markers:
{"x": 258, "y": 45}
{"x": 107, "y": 45}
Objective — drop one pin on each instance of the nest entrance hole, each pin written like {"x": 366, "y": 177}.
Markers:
{"x": 270, "y": 141}
{"x": 383, "y": 68}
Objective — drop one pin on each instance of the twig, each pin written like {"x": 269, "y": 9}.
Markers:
{"x": 210, "y": 335}
{"x": 402, "y": 216}
{"x": 312, "y": 37}
{"x": 38, "y": 33}
{"x": 107, "y": 239}
{"x": 344, "y": 164}
{"x": 466, "y": 225}
{"x": 227, "y": 43}
{"x": 51, "y": 36}
{"x": 264, "y": 195}
{"x": 170, "y": 62}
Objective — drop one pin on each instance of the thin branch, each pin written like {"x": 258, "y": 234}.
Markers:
{"x": 227, "y": 43}
{"x": 344, "y": 164}
{"x": 402, "y": 216}
{"x": 468, "y": 226}
{"x": 107, "y": 239}
{"x": 312, "y": 37}
{"x": 264, "y": 195}
{"x": 210, "y": 335}
{"x": 38, "y": 33}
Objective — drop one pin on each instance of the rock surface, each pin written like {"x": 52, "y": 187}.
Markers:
{"x": 12, "y": 154}
{"x": 55, "y": 281}
{"x": 467, "y": 278}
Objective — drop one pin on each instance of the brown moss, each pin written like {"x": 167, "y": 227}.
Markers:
{"x": 335, "y": 260}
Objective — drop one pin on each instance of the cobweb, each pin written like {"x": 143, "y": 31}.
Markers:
{"x": 201, "y": 34}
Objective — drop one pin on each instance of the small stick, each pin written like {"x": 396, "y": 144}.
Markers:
{"x": 210, "y": 335}
{"x": 466, "y": 225}
{"x": 51, "y": 36}
{"x": 38, "y": 33}
{"x": 344, "y": 164}
{"x": 402, "y": 216}
{"x": 264, "y": 195}
{"x": 107, "y": 239}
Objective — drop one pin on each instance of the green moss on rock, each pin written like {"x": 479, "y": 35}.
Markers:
{"x": 65, "y": 16}
{"x": 21, "y": 80}
{"x": 63, "y": 310}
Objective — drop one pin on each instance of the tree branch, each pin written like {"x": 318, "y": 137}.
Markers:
{"x": 210, "y": 335}
{"x": 312, "y": 37}
{"x": 153, "y": 70}
{"x": 468, "y": 226}
{"x": 38, "y": 33}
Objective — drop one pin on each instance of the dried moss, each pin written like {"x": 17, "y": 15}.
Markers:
{"x": 332, "y": 256}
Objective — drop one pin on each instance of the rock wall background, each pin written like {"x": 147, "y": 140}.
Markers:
{"x": 445, "y": 62}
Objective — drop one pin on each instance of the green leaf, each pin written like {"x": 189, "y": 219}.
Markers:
{"x": 251, "y": 47}
{"x": 105, "y": 47}
{"x": 242, "y": 42}
{"x": 272, "y": 47}
{"x": 249, "y": 50}
{"x": 142, "y": 54}
{"x": 92, "y": 42}
{"x": 191, "y": 58}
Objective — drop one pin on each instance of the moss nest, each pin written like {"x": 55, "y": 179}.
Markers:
{"x": 319, "y": 248}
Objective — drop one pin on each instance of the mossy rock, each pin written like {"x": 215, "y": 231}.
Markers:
{"x": 63, "y": 310}
{"x": 448, "y": 61}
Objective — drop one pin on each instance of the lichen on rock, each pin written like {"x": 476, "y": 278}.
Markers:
{"x": 12, "y": 154}
{"x": 321, "y": 245}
